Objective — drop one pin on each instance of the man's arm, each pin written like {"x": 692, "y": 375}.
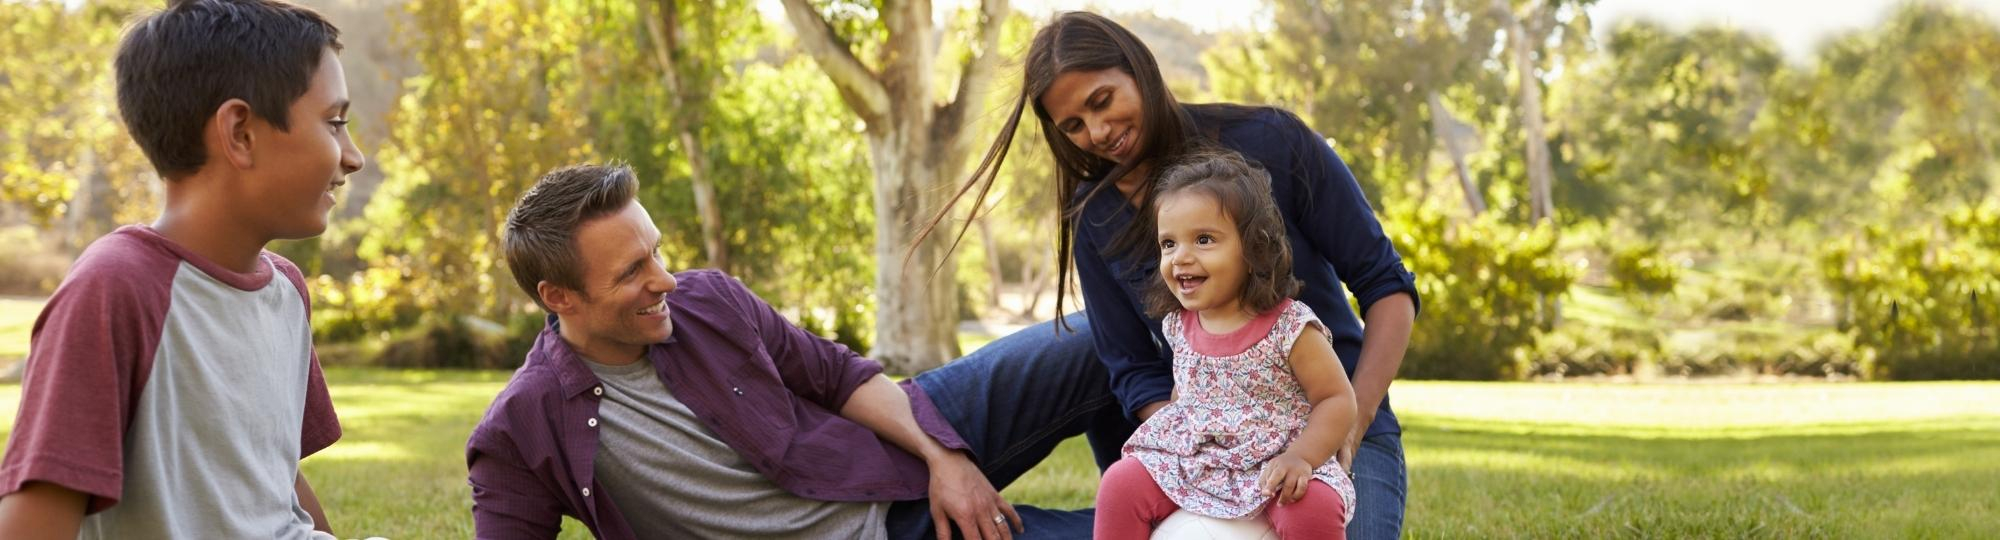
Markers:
{"x": 1383, "y": 341}
{"x": 310, "y": 501}
{"x": 959, "y": 492}
{"x": 507, "y": 500}
{"x": 41, "y": 510}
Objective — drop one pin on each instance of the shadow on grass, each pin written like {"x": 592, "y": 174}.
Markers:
{"x": 1878, "y": 480}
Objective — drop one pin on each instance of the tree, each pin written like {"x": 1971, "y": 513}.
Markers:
{"x": 687, "y": 76}
{"x": 503, "y": 98}
{"x": 1372, "y": 76}
{"x": 64, "y": 153}
{"x": 1681, "y": 129}
{"x": 917, "y": 147}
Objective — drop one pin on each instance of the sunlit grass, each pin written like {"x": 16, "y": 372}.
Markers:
{"x": 17, "y": 321}
{"x": 1487, "y": 460}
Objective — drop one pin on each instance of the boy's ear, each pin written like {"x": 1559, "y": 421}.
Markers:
{"x": 231, "y": 126}
{"x": 559, "y": 300}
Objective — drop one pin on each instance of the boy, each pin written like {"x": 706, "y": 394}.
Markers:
{"x": 171, "y": 387}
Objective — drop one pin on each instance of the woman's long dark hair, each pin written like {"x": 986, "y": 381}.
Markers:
{"x": 1083, "y": 41}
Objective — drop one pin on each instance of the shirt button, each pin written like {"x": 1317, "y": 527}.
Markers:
{"x": 586, "y": 492}
{"x": 597, "y": 391}
{"x": 592, "y": 422}
{"x": 737, "y": 390}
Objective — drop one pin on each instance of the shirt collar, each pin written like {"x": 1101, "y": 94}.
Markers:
{"x": 574, "y": 376}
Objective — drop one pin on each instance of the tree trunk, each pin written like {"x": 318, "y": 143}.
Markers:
{"x": 1540, "y": 175}
{"x": 93, "y": 211}
{"x": 916, "y": 299}
{"x": 1446, "y": 129}
{"x": 918, "y": 149}
{"x": 665, "y": 28}
{"x": 992, "y": 259}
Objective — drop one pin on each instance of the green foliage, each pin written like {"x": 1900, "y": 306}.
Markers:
{"x": 1641, "y": 269}
{"x": 1665, "y": 129}
{"x": 800, "y": 213}
{"x": 501, "y": 100}
{"x": 1482, "y": 282}
{"x": 61, "y": 137}
{"x": 1924, "y": 302}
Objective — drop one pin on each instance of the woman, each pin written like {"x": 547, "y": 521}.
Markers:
{"x": 1111, "y": 124}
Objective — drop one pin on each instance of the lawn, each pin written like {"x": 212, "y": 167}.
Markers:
{"x": 17, "y": 320}
{"x": 1486, "y": 459}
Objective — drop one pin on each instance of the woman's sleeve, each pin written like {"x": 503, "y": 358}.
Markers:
{"x": 1337, "y": 220}
{"x": 1139, "y": 374}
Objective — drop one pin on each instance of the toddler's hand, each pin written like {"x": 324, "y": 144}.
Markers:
{"x": 1286, "y": 477}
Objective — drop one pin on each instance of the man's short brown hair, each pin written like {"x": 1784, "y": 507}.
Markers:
{"x": 540, "y": 240}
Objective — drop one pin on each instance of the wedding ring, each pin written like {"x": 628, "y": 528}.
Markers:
{"x": 1000, "y": 520}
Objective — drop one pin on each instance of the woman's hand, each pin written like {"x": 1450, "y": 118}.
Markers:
{"x": 1286, "y": 477}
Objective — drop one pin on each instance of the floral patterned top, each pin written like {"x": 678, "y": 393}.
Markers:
{"x": 1239, "y": 405}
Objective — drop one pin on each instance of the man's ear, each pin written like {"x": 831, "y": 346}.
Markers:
{"x": 560, "y": 300}
{"x": 230, "y": 129}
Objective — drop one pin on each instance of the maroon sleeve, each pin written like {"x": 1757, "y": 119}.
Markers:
{"x": 321, "y": 427}
{"x": 815, "y": 368}
{"x": 89, "y": 356}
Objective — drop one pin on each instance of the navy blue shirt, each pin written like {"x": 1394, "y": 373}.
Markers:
{"x": 1334, "y": 235}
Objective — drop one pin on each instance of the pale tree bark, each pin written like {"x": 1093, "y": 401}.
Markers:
{"x": 992, "y": 258}
{"x": 917, "y": 148}
{"x": 1540, "y": 174}
{"x": 1448, "y": 131}
{"x": 689, "y": 97}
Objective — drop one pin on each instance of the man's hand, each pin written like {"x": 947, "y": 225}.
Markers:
{"x": 960, "y": 495}
{"x": 1286, "y": 476}
{"x": 1352, "y": 447}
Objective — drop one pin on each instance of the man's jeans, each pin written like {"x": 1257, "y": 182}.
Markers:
{"x": 1013, "y": 401}
{"x": 1380, "y": 486}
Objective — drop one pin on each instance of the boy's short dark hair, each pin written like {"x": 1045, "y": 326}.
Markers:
{"x": 1243, "y": 191}
{"x": 540, "y": 241}
{"x": 176, "y": 66}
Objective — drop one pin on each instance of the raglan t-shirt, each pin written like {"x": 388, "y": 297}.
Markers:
{"x": 177, "y": 394}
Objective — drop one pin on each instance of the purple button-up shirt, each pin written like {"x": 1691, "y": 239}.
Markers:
{"x": 768, "y": 389}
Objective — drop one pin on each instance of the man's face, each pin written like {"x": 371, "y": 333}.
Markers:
{"x": 290, "y": 186}
{"x": 623, "y": 305}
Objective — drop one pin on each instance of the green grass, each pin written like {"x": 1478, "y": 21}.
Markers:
{"x": 17, "y": 320}
{"x": 1487, "y": 460}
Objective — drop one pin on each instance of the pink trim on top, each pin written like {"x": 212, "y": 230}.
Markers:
{"x": 253, "y": 280}
{"x": 1235, "y": 342}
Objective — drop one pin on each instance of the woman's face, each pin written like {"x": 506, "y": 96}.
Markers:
{"x": 1099, "y": 111}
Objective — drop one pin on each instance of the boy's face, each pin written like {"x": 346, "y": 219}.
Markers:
{"x": 290, "y": 187}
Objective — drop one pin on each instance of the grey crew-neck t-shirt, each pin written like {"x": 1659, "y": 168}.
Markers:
{"x": 672, "y": 478}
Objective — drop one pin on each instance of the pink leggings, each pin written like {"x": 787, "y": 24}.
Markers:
{"x": 1130, "y": 504}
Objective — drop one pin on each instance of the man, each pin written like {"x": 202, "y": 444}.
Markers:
{"x": 658, "y": 405}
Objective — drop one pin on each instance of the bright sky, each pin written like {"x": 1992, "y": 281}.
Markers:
{"x": 1797, "y": 25}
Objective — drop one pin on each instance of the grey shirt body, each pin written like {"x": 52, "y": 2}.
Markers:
{"x": 672, "y": 478}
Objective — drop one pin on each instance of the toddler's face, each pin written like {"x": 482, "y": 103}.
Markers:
{"x": 1201, "y": 254}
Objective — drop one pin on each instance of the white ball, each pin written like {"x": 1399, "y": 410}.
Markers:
{"x": 1185, "y": 525}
